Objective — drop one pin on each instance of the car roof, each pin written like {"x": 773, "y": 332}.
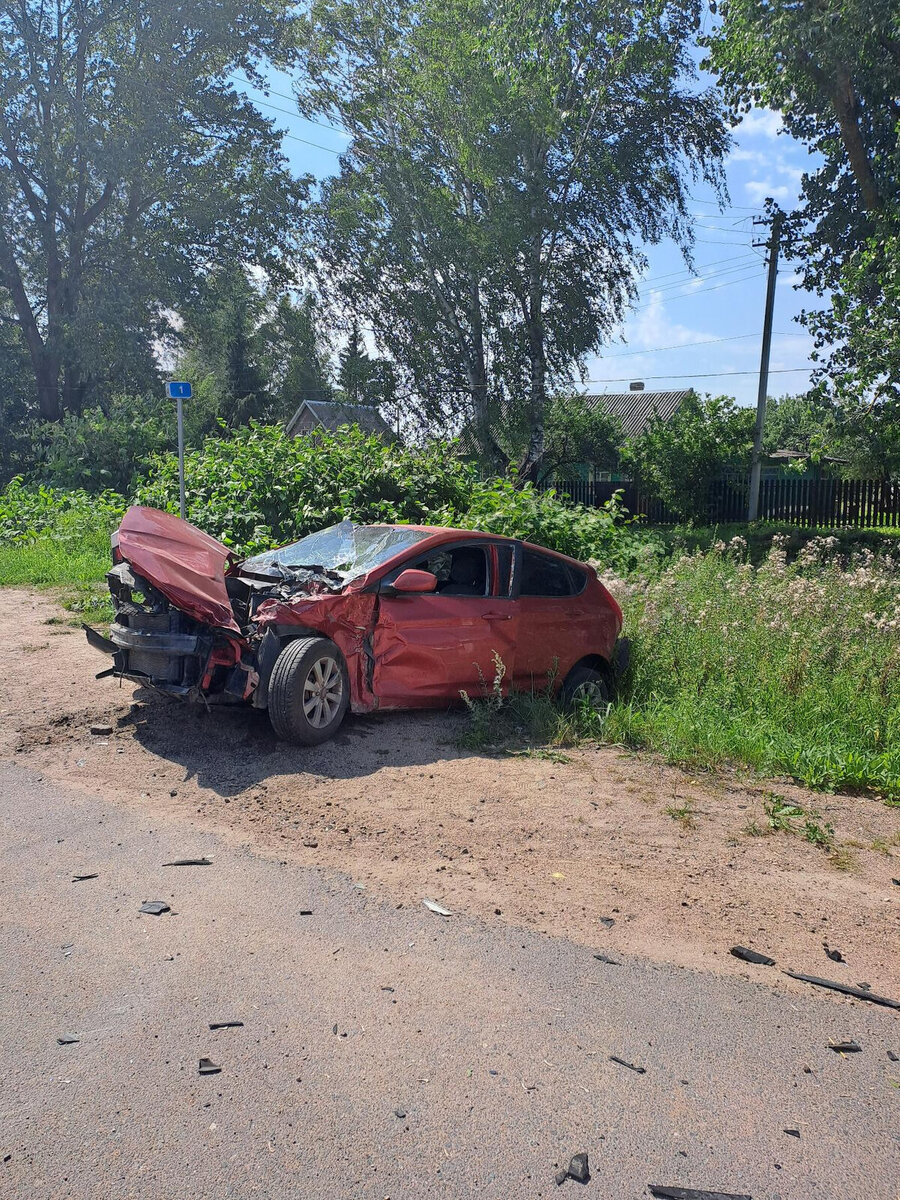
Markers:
{"x": 446, "y": 533}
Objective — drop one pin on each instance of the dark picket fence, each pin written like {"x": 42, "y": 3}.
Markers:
{"x": 828, "y": 503}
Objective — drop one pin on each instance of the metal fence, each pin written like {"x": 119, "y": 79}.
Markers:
{"x": 827, "y": 503}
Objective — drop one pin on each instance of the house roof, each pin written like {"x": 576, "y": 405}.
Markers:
{"x": 634, "y": 409}
{"x": 332, "y": 414}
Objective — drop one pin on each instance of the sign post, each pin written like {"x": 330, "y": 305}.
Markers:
{"x": 180, "y": 392}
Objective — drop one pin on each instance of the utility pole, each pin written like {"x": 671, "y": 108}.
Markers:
{"x": 774, "y": 244}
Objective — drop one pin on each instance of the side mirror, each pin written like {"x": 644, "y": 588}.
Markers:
{"x": 412, "y": 581}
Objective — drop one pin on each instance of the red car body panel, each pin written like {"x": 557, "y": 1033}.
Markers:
{"x": 346, "y": 619}
{"x": 429, "y": 652}
{"x": 184, "y": 563}
{"x": 402, "y": 650}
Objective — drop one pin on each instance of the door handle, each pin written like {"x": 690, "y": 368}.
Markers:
{"x": 495, "y": 616}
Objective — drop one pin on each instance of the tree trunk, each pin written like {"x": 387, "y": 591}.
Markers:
{"x": 846, "y": 108}
{"x": 530, "y": 466}
{"x": 532, "y": 312}
{"x": 476, "y": 374}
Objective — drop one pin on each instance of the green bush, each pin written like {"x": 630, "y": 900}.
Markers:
{"x": 791, "y": 668}
{"x": 261, "y": 488}
{"x": 69, "y": 516}
{"x": 106, "y": 448}
{"x": 48, "y": 535}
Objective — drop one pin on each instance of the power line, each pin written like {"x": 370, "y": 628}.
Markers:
{"x": 690, "y": 274}
{"x": 268, "y": 91}
{"x": 673, "y": 291}
{"x": 705, "y": 375}
{"x": 715, "y": 204}
{"x": 687, "y": 345}
{"x": 702, "y": 291}
{"x": 704, "y": 277}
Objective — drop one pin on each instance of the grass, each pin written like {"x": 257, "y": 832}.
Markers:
{"x": 778, "y": 649}
{"x": 525, "y": 724}
{"x": 790, "y": 667}
{"x": 683, "y": 814}
{"x": 47, "y": 563}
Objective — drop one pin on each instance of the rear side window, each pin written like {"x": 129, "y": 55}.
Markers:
{"x": 544, "y": 576}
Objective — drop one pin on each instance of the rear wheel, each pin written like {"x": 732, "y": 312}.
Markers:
{"x": 309, "y": 691}
{"x": 586, "y": 685}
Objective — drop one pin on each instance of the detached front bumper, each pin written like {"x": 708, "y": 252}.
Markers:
{"x": 164, "y": 656}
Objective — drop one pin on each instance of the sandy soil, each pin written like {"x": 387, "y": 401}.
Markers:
{"x": 583, "y": 849}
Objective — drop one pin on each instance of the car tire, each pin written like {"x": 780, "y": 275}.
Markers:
{"x": 586, "y": 683}
{"x": 309, "y": 691}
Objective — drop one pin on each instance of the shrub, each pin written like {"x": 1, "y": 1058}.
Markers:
{"x": 261, "y": 488}
{"x": 48, "y": 535}
{"x": 792, "y": 668}
{"x": 106, "y": 448}
{"x": 29, "y": 513}
{"x": 678, "y": 459}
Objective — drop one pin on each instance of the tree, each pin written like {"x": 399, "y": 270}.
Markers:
{"x": 679, "y": 458}
{"x": 18, "y": 403}
{"x": 830, "y": 68}
{"x": 508, "y": 159}
{"x": 128, "y": 166}
{"x": 355, "y": 368}
{"x": 577, "y": 434}
{"x": 810, "y": 423}
{"x": 297, "y": 355}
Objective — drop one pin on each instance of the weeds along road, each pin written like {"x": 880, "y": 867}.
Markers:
{"x": 385, "y": 1051}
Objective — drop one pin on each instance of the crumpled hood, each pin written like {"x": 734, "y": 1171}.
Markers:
{"x": 181, "y": 561}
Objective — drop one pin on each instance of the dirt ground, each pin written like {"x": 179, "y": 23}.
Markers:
{"x": 583, "y": 849}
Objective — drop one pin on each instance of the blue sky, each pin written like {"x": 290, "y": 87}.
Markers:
{"x": 702, "y": 331}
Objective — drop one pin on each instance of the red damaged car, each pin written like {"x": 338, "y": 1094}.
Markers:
{"x": 355, "y": 616}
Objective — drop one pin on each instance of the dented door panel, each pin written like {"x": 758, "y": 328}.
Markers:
{"x": 346, "y": 619}
{"x": 429, "y": 648}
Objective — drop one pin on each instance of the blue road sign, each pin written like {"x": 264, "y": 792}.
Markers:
{"x": 178, "y": 391}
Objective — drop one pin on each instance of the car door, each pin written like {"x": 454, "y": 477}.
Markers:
{"x": 553, "y": 622}
{"x": 429, "y": 647}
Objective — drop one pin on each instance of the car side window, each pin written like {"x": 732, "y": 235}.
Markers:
{"x": 459, "y": 570}
{"x": 543, "y": 576}
{"x": 505, "y": 580}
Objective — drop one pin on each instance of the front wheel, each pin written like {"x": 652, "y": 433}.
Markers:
{"x": 309, "y": 691}
{"x": 586, "y": 685}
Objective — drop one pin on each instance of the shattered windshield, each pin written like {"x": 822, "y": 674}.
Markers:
{"x": 346, "y": 550}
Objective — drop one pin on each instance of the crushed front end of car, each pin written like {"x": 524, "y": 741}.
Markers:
{"x": 193, "y": 622}
{"x": 157, "y": 645}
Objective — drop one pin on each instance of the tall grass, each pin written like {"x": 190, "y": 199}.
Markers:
{"x": 790, "y": 668}
{"x": 54, "y": 536}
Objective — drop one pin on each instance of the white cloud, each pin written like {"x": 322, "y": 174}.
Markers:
{"x": 651, "y": 328}
{"x": 760, "y": 122}
{"x": 749, "y": 156}
{"x": 760, "y": 189}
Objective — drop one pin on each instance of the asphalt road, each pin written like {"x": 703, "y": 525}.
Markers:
{"x": 470, "y": 1059}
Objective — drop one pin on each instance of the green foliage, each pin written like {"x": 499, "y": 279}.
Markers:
{"x": 27, "y": 513}
{"x": 576, "y": 434}
{"x": 782, "y": 816}
{"x": 106, "y": 448}
{"x": 261, "y": 488}
{"x": 253, "y": 354}
{"x": 528, "y": 724}
{"x": 830, "y": 69}
{"x": 122, "y": 178}
{"x": 677, "y": 459}
{"x": 498, "y": 506}
{"x": 18, "y": 401}
{"x": 792, "y": 668}
{"x": 53, "y": 536}
{"x": 507, "y": 165}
